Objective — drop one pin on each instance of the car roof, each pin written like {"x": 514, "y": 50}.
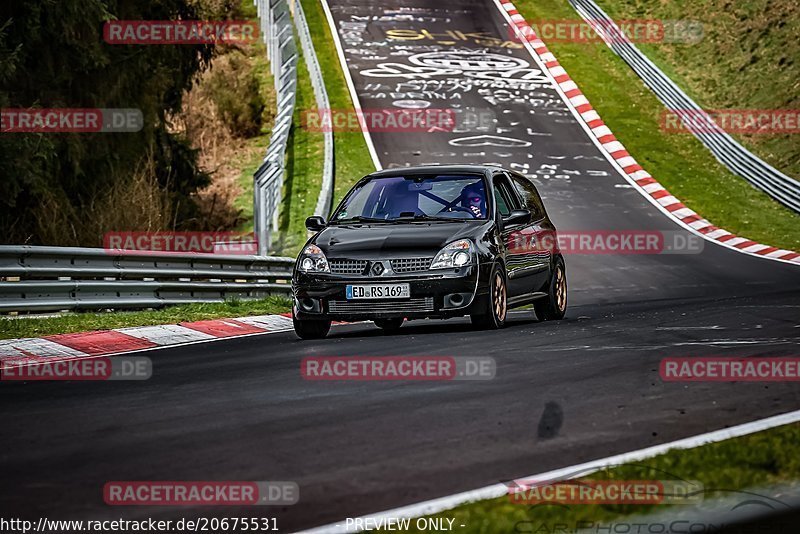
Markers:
{"x": 435, "y": 169}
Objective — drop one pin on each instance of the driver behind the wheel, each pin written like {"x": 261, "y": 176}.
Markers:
{"x": 474, "y": 199}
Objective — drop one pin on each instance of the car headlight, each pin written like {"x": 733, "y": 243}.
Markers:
{"x": 313, "y": 260}
{"x": 456, "y": 254}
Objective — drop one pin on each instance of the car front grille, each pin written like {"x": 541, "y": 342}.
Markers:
{"x": 400, "y": 266}
{"x": 348, "y": 266}
{"x": 370, "y": 306}
{"x": 410, "y": 265}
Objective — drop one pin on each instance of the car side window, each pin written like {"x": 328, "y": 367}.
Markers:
{"x": 530, "y": 196}
{"x": 503, "y": 196}
{"x": 502, "y": 206}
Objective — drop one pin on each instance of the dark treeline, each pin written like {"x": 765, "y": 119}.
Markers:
{"x": 52, "y": 55}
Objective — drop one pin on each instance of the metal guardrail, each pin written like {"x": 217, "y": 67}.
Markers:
{"x": 325, "y": 198}
{"x": 726, "y": 149}
{"x": 66, "y": 278}
{"x": 276, "y": 29}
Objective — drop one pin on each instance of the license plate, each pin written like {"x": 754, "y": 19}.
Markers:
{"x": 378, "y": 291}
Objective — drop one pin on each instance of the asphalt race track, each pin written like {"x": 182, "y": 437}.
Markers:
{"x": 564, "y": 393}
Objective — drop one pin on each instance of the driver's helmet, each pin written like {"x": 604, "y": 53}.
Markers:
{"x": 474, "y": 199}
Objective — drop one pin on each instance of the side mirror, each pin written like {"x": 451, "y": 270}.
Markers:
{"x": 517, "y": 217}
{"x": 315, "y": 223}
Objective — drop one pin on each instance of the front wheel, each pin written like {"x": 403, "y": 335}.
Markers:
{"x": 314, "y": 329}
{"x": 494, "y": 316}
{"x": 554, "y": 306}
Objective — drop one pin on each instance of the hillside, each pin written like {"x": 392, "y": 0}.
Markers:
{"x": 749, "y": 44}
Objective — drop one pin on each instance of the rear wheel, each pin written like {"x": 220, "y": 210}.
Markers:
{"x": 494, "y": 316}
{"x": 554, "y": 306}
{"x": 313, "y": 329}
{"x": 389, "y": 325}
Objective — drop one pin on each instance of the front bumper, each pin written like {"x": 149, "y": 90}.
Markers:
{"x": 437, "y": 293}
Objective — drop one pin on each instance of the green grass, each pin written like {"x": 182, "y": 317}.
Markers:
{"x": 250, "y": 164}
{"x": 352, "y": 159}
{"x": 251, "y": 159}
{"x": 747, "y": 59}
{"x": 303, "y": 160}
{"x": 678, "y": 161}
{"x": 758, "y": 460}
{"x": 244, "y": 202}
{"x": 304, "y": 163}
{"x": 11, "y": 328}
{"x": 305, "y": 148}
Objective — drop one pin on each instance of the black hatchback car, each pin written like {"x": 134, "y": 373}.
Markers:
{"x": 436, "y": 241}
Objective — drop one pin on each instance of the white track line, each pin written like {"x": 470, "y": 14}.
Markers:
{"x": 498, "y": 490}
{"x": 613, "y": 162}
{"x": 86, "y": 356}
{"x": 350, "y": 86}
{"x": 494, "y": 491}
{"x": 147, "y": 349}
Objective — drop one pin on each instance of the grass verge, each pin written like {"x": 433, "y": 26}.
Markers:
{"x": 749, "y": 45}
{"x": 257, "y": 146}
{"x": 679, "y": 161}
{"x": 12, "y": 328}
{"x": 250, "y": 163}
{"x": 305, "y": 148}
{"x": 304, "y": 163}
{"x": 758, "y": 460}
{"x": 352, "y": 159}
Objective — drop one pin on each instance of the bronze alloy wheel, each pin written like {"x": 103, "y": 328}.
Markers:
{"x": 499, "y": 303}
{"x": 495, "y": 307}
{"x": 561, "y": 289}
{"x": 554, "y": 306}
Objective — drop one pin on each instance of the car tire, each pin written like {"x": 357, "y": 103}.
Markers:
{"x": 389, "y": 325}
{"x": 554, "y": 306}
{"x": 494, "y": 315}
{"x": 313, "y": 329}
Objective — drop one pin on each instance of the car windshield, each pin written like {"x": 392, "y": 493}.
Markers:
{"x": 429, "y": 197}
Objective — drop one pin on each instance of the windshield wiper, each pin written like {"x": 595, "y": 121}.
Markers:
{"x": 396, "y": 220}
{"x": 359, "y": 219}
{"x": 423, "y": 217}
